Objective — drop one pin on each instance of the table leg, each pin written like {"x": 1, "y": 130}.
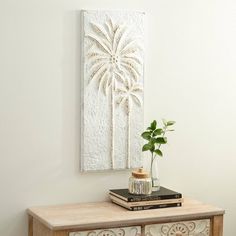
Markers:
{"x": 30, "y": 225}
{"x": 217, "y": 225}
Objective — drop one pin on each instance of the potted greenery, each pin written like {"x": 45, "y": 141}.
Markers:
{"x": 155, "y": 137}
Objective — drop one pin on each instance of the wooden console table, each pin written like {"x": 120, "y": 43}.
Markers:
{"x": 107, "y": 219}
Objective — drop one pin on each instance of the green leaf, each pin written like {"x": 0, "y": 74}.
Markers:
{"x": 146, "y": 135}
{"x": 157, "y": 132}
{"x": 152, "y": 141}
{"x": 170, "y": 130}
{"x": 169, "y": 123}
{"x": 164, "y": 122}
{"x": 149, "y": 128}
{"x": 161, "y": 140}
{"x": 158, "y": 152}
{"x": 153, "y": 125}
{"x": 147, "y": 147}
{"x": 152, "y": 147}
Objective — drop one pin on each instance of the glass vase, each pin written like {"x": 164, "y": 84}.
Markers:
{"x": 154, "y": 175}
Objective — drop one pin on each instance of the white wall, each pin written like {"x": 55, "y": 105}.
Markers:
{"x": 190, "y": 77}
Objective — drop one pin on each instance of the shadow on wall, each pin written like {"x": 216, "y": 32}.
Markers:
{"x": 61, "y": 169}
{"x": 71, "y": 86}
{"x": 16, "y": 223}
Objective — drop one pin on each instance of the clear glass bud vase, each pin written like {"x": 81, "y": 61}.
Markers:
{"x": 154, "y": 175}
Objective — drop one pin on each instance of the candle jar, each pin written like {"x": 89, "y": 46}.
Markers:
{"x": 140, "y": 183}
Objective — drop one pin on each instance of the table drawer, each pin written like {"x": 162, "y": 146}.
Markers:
{"x": 182, "y": 228}
{"x": 125, "y": 231}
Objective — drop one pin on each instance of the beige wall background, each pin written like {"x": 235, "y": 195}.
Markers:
{"x": 190, "y": 77}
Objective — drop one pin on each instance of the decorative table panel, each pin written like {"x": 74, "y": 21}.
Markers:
{"x": 112, "y": 88}
{"x": 127, "y": 231}
{"x": 183, "y": 228}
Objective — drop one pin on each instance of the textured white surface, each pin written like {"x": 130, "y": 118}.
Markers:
{"x": 184, "y": 228}
{"x": 112, "y": 63}
{"x": 126, "y": 231}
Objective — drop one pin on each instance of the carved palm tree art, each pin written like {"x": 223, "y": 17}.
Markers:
{"x": 129, "y": 94}
{"x": 113, "y": 57}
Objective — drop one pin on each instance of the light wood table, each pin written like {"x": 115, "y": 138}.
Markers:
{"x": 107, "y": 219}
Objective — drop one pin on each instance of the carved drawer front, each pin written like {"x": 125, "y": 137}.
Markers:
{"x": 127, "y": 231}
{"x": 182, "y": 228}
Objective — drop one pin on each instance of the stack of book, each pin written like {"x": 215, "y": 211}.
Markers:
{"x": 160, "y": 199}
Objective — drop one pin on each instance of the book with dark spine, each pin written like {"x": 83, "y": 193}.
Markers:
{"x": 140, "y": 208}
{"x": 162, "y": 194}
{"x": 147, "y": 207}
{"x": 145, "y": 203}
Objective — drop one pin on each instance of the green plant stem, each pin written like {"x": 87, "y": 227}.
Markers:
{"x": 151, "y": 164}
{"x": 159, "y": 146}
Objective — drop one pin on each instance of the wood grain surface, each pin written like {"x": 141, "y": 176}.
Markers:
{"x": 92, "y": 215}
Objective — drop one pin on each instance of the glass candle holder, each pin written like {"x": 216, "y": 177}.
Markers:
{"x": 140, "y": 183}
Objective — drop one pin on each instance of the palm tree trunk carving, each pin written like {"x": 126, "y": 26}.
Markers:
{"x": 112, "y": 124}
{"x": 128, "y": 128}
{"x": 127, "y": 95}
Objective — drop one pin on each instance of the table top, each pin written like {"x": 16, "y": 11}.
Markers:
{"x": 92, "y": 215}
